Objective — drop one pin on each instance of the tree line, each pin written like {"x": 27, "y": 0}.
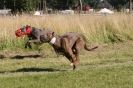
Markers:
{"x": 31, "y": 5}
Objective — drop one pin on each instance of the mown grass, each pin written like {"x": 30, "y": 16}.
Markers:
{"x": 110, "y": 66}
{"x": 113, "y": 77}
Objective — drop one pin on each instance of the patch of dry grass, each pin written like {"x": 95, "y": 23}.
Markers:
{"x": 97, "y": 28}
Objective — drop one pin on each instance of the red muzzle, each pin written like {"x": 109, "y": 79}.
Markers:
{"x": 20, "y": 33}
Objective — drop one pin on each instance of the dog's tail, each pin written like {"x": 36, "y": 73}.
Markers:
{"x": 90, "y": 49}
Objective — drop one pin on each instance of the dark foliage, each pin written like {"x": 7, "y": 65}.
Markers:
{"x": 31, "y": 5}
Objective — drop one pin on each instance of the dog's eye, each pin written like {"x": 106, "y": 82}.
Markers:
{"x": 49, "y": 35}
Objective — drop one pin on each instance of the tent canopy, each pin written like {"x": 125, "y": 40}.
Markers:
{"x": 105, "y": 11}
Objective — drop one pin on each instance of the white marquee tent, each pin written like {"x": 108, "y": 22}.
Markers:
{"x": 105, "y": 11}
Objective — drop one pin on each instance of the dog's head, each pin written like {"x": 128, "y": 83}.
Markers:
{"x": 25, "y": 30}
{"x": 47, "y": 36}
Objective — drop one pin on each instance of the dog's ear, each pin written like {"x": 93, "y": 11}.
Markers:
{"x": 53, "y": 34}
{"x": 50, "y": 34}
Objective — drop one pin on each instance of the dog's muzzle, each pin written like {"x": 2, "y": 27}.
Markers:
{"x": 18, "y": 33}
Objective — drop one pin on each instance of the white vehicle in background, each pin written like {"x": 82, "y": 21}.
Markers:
{"x": 70, "y": 12}
{"x": 5, "y": 11}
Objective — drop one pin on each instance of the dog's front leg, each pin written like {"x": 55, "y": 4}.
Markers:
{"x": 28, "y": 43}
{"x": 56, "y": 51}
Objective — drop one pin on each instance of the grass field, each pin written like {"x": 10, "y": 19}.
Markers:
{"x": 109, "y": 66}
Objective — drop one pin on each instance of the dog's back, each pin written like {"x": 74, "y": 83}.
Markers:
{"x": 71, "y": 37}
{"x": 36, "y": 33}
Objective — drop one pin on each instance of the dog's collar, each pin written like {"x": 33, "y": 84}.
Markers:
{"x": 53, "y": 40}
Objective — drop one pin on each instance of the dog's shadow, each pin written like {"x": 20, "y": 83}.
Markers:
{"x": 25, "y": 56}
{"x": 21, "y": 56}
{"x": 2, "y": 56}
{"x": 33, "y": 70}
{"x": 38, "y": 70}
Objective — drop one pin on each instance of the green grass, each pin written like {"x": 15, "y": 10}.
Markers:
{"x": 99, "y": 77}
{"x": 110, "y": 66}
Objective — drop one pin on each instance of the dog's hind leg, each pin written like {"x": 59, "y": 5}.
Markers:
{"x": 69, "y": 52}
{"x": 79, "y": 44}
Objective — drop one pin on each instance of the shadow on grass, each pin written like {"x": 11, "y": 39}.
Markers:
{"x": 38, "y": 70}
{"x": 2, "y": 56}
{"x": 25, "y": 56}
{"x": 21, "y": 56}
{"x": 33, "y": 70}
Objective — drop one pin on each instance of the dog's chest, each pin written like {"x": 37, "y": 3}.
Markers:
{"x": 59, "y": 50}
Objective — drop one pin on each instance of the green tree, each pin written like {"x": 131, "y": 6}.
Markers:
{"x": 118, "y": 4}
{"x": 61, "y": 4}
{"x": 21, "y": 5}
{"x": 92, "y": 3}
{"x": 1, "y": 4}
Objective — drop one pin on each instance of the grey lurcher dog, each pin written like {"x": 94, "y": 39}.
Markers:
{"x": 69, "y": 44}
{"x": 32, "y": 33}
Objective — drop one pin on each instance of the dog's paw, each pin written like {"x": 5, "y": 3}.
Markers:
{"x": 71, "y": 64}
{"x": 25, "y": 47}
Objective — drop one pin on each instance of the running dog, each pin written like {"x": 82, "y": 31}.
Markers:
{"x": 32, "y": 33}
{"x": 69, "y": 44}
